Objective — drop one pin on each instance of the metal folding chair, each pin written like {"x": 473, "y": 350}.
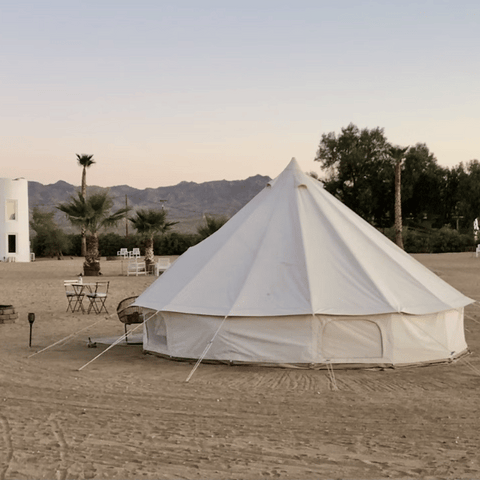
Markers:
{"x": 98, "y": 297}
{"x": 74, "y": 296}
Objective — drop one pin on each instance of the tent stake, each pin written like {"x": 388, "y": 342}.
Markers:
{"x": 207, "y": 348}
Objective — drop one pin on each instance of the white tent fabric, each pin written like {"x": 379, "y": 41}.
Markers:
{"x": 389, "y": 339}
{"x": 295, "y": 252}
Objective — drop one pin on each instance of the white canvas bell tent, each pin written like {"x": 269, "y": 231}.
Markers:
{"x": 296, "y": 277}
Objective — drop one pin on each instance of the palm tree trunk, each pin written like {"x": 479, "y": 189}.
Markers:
{"x": 83, "y": 251}
{"x": 91, "y": 266}
{"x": 84, "y": 195}
{"x": 398, "y": 204}
{"x": 149, "y": 256}
{"x": 84, "y": 182}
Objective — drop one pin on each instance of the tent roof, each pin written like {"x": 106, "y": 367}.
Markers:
{"x": 295, "y": 249}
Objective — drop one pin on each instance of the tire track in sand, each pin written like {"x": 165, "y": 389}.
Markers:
{"x": 8, "y": 448}
{"x": 62, "y": 470}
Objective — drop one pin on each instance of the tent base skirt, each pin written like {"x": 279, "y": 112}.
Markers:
{"x": 310, "y": 341}
{"x": 318, "y": 366}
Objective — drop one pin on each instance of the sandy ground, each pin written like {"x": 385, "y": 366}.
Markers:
{"x": 132, "y": 416}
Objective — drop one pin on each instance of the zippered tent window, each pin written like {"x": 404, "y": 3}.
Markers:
{"x": 348, "y": 338}
{"x": 159, "y": 332}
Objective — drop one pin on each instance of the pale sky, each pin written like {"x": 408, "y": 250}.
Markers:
{"x": 197, "y": 90}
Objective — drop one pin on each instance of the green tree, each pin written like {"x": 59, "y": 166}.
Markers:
{"x": 210, "y": 225}
{"x": 92, "y": 214}
{"x": 424, "y": 187}
{"x": 149, "y": 222}
{"x": 49, "y": 239}
{"x": 467, "y": 207}
{"x": 452, "y": 196}
{"x": 85, "y": 161}
{"x": 361, "y": 167}
{"x": 359, "y": 171}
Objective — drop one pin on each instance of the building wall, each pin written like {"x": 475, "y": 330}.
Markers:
{"x": 14, "y": 220}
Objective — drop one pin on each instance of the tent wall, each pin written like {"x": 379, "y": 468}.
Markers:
{"x": 308, "y": 339}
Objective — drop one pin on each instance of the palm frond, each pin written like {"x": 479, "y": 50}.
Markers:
{"x": 92, "y": 213}
{"x": 113, "y": 219}
{"x": 148, "y": 222}
{"x": 85, "y": 160}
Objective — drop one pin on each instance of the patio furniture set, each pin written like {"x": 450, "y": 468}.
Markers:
{"x": 137, "y": 267}
{"x": 96, "y": 293}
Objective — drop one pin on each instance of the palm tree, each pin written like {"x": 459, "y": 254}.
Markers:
{"x": 398, "y": 154}
{"x": 211, "y": 225}
{"x": 91, "y": 215}
{"x": 149, "y": 222}
{"x": 84, "y": 161}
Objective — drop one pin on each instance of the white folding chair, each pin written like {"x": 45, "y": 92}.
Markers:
{"x": 162, "y": 264}
{"x": 135, "y": 267}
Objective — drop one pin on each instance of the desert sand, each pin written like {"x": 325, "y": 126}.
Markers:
{"x": 129, "y": 415}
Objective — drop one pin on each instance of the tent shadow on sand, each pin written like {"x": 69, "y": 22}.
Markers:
{"x": 297, "y": 278}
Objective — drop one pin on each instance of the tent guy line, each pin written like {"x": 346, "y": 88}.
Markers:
{"x": 331, "y": 377}
{"x": 116, "y": 342}
{"x": 66, "y": 338}
{"x": 471, "y": 318}
{"x": 207, "y": 348}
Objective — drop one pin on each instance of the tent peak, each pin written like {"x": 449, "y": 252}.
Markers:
{"x": 294, "y": 170}
{"x": 293, "y": 164}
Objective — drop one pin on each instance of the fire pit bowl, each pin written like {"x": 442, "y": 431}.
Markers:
{"x": 7, "y": 314}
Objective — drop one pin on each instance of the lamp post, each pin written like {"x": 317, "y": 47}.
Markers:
{"x": 31, "y": 319}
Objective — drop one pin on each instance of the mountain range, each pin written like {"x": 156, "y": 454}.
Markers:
{"x": 186, "y": 203}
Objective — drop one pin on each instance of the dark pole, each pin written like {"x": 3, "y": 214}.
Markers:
{"x": 31, "y": 319}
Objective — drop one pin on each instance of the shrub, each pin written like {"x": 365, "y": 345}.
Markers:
{"x": 49, "y": 239}
{"x": 174, "y": 243}
{"x": 75, "y": 249}
{"x": 110, "y": 243}
{"x": 440, "y": 240}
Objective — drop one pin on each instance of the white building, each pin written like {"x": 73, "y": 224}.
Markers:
{"x": 14, "y": 220}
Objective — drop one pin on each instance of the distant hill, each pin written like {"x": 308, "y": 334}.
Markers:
{"x": 186, "y": 202}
